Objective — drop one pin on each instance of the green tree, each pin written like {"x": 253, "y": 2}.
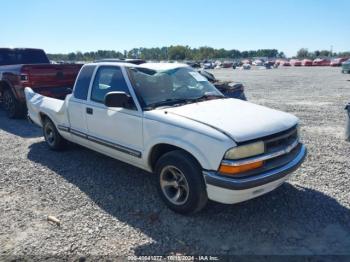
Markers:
{"x": 177, "y": 52}
{"x": 325, "y": 53}
{"x": 303, "y": 53}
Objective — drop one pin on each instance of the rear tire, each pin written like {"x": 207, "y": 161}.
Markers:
{"x": 181, "y": 183}
{"x": 53, "y": 139}
{"x": 13, "y": 108}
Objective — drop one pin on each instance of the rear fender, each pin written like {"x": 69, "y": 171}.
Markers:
{"x": 39, "y": 105}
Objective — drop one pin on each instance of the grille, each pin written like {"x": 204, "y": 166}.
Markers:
{"x": 281, "y": 140}
{"x": 273, "y": 144}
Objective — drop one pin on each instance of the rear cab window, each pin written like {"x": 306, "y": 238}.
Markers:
{"x": 22, "y": 56}
{"x": 82, "y": 85}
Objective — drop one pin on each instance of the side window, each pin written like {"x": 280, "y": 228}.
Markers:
{"x": 108, "y": 79}
{"x": 83, "y": 82}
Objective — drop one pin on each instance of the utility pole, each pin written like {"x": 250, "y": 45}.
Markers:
{"x": 331, "y": 53}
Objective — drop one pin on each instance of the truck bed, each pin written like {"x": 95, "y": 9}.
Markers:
{"x": 39, "y": 105}
{"x": 47, "y": 79}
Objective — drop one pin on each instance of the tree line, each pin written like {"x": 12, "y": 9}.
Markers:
{"x": 180, "y": 52}
{"x": 305, "y": 53}
{"x": 177, "y": 52}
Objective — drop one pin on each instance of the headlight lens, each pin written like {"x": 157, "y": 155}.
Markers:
{"x": 244, "y": 151}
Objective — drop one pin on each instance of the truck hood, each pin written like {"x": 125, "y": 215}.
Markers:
{"x": 240, "y": 120}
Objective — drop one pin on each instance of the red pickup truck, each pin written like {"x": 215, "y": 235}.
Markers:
{"x": 22, "y": 67}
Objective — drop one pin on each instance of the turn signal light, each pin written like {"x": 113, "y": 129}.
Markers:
{"x": 233, "y": 170}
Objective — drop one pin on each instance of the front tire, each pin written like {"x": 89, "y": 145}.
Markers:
{"x": 181, "y": 183}
{"x": 53, "y": 139}
{"x": 13, "y": 108}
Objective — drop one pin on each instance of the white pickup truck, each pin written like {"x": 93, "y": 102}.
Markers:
{"x": 169, "y": 120}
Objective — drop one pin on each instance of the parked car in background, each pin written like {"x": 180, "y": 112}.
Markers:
{"x": 306, "y": 62}
{"x": 346, "y": 67}
{"x": 258, "y": 62}
{"x": 193, "y": 64}
{"x": 295, "y": 62}
{"x": 229, "y": 89}
{"x": 208, "y": 65}
{"x": 245, "y": 67}
{"x": 21, "y": 67}
{"x": 169, "y": 120}
{"x": 285, "y": 63}
{"x": 338, "y": 61}
{"x": 246, "y": 61}
{"x": 321, "y": 62}
{"x": 269, "y": 64}
{"x": 235, "y": 64}
{"x": 227, "y": 64}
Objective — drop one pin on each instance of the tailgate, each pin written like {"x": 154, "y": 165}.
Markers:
{"x": 51, "y": 79}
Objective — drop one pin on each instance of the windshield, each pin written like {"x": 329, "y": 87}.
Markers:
{"x": 169, "y": 87}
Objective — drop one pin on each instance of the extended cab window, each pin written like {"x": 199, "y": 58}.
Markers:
{"x": 108, "y": 79}
{"x": 83, "y": 82}
{"x": 22, "y": 56}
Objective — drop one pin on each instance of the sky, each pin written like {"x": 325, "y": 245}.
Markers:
{"x": 63, "y": 26}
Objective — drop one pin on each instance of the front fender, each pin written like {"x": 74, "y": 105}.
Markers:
{"x": 204, "y": 160}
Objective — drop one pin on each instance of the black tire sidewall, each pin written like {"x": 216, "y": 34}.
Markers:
{"x": 58, "y": 140}
{"x": 15, "y": 107}
{"x": 193, "y": 172}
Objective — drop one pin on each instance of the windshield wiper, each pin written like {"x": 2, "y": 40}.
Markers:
{"x": 180, "y": 101}
{"x": 167, "y": 102}
{"x": 206, "y": 96}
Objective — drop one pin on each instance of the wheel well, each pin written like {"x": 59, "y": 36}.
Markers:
{"x": 43, "y": 117}
{"x": 161, "y": 149}
{"x": 3, "y": 86}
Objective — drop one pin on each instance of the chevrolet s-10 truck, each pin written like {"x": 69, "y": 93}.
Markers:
{"x": 169, "y": 120}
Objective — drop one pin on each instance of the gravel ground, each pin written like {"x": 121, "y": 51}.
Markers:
{"x": 109, "y": 208}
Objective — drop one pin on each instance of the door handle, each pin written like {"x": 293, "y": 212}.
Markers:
{"x": 89, "y": 110}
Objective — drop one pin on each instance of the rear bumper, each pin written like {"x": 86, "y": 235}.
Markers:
{"x": 249, "y": 187}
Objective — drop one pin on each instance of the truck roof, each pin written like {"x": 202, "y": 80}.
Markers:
{"x": 163, "y": 66}
{"x": 153, "y": 66}
{"x": 19, "y": 48}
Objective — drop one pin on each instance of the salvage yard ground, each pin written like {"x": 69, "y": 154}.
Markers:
{"x": 109, "y": 208}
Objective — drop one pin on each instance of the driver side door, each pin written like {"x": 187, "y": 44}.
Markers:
{"x": 114, "y": 131}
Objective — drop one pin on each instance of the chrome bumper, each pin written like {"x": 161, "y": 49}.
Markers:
{"x": 215, "y": 179}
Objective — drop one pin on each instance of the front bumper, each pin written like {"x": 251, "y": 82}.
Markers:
{"x": 266, "y": 180}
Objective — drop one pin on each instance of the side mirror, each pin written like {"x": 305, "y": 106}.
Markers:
{"x": 117, "y": 99}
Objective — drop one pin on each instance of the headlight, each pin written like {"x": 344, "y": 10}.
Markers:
{"x": 244, "y": 151}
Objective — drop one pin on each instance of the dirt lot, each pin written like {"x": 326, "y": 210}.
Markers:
{"x": 110, "y": 208}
